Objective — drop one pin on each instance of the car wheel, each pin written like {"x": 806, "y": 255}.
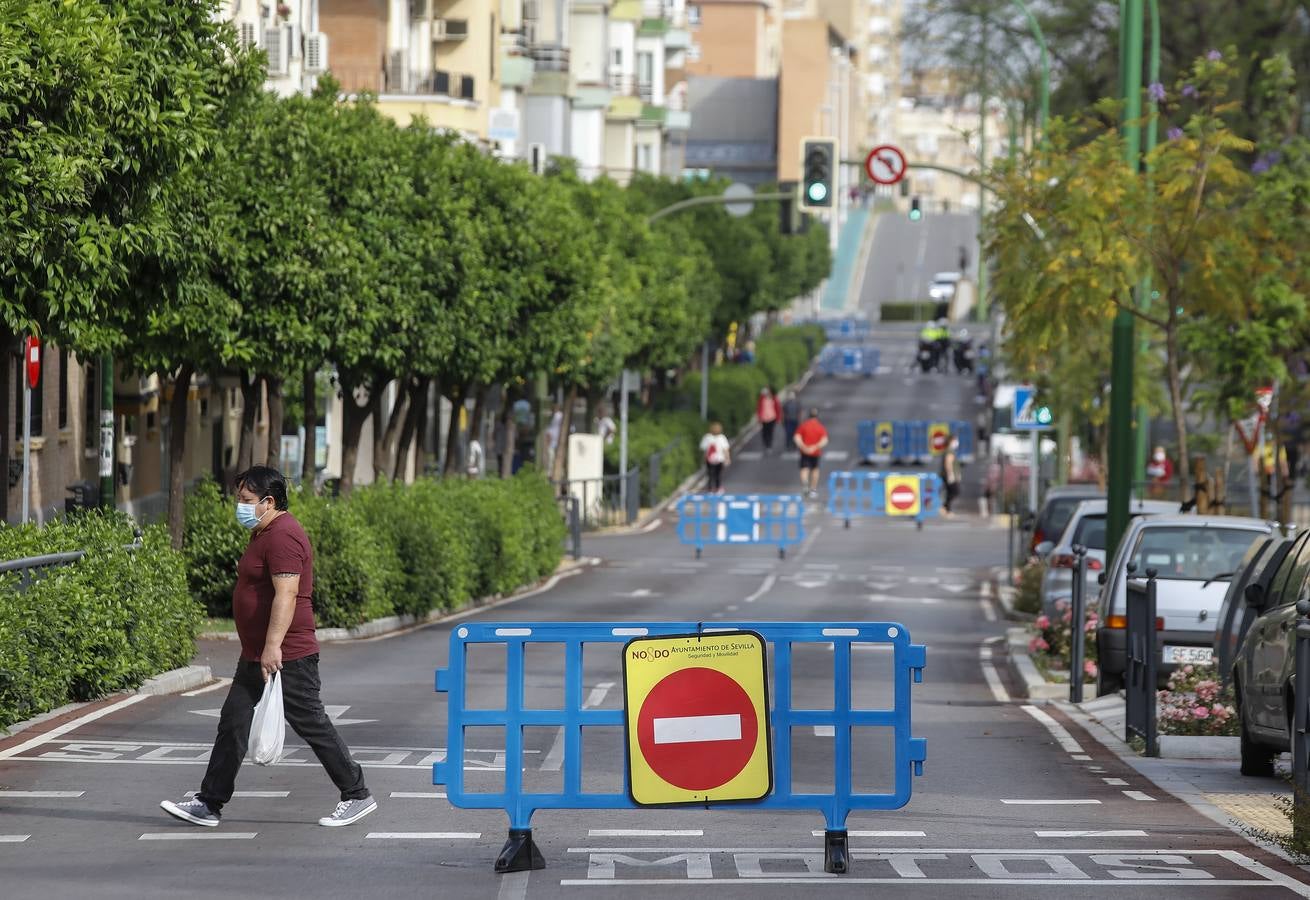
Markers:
{"x": 1108, "y": 682}
{"x": 1257, "y": 759}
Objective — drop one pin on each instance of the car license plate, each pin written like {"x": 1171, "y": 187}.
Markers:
{"x": 1181, "y": 655}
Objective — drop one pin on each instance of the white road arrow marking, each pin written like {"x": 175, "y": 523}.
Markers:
{"x": 335, "y": 713}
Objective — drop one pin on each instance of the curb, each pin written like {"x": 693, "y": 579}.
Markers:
{"x": 1038, "y": 688}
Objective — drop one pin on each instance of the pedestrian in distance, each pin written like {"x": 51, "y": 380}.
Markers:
{"x": 768, "y": 412}
{"x": 275, "y": 624}
{"x": 605, "y": 426}
{"x": 477, "y": 459}
{"x": 951, "y": 474}
{"x": 791, "y": 418}
{"x": 1161, "y": 471}
{"x": 718, "y": 454}
{"x": 811, "y": 437}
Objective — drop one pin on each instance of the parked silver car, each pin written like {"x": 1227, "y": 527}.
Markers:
{"x": 1192, "y": 556}
{"x": 1086, "y": 527}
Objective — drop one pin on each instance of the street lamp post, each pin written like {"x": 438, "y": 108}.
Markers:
{"x": 1044, "y": 110}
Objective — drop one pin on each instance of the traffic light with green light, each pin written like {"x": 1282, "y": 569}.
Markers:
{"x": 1043, "y": 416}
{"x": 818, "y": 173}
{"x": 916, "y": 213}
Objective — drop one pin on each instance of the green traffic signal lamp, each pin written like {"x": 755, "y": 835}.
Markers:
{"x": 818, "y": 173}
{"x": 916, "y": 213}
{"x": 1044, "y": 416}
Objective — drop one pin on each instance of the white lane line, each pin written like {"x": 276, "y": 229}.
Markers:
{"x": 1117, "y": 782}
{"x": 988, "y": 612}
{"x": 71, "y": 725}
{"x": 13, "y": 838}
{"x": 1062, "y": 737}
{"x": 875, "y": 834}
{"x": 644, "y": 832}
{"x": 1096, "y": 768}
{"x": 651, "y": 526}
{"x": 423, "y": 835}
{"x": 809, "y": 541}
{"x": 1256, "y": 868}
{"x": 554, "y": 760}
{"x": 254, "y": 795}
{"x": 763, "y": 589}
{"x": 1138, "y": 795}
{"x": 1029, "y": 881}
{"x": 1082, "y": 757}
{"x": 50, "y": 795}
{"x": 513, "y": 886}
{"x": 1052, "y": 802}
{"x": 732, "y": 607}
{"x": 221, "y": 683}
{"x": 198, "y": 836}
{"x": 418, "y": 795}
{"x": 1126, "y": 832}
{"x": 999, "y": 693}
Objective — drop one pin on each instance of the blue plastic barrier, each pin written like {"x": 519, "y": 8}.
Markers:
{"x": 849, "y": 359}
{"x": 844, "y": 329}
{"x": 775, "y": 519}
{"x": 520, "y": 853}
{"x": 864, "y": 494}
{"x": 909, "y": 441}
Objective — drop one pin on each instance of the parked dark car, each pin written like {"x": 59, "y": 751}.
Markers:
{"x": 1057, "y": 509}
{"x": 1235, "y": 614}
{"x": 1266, "y": 661}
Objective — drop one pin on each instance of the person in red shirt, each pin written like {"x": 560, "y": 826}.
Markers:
{"x": 811, "y": 437}
{"x": 271, "y": 605}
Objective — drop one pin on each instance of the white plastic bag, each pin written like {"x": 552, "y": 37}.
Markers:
{"x": 268, "y": 730}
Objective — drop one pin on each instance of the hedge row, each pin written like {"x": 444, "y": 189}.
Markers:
{"x": 781, "y": 357}
{"x": 105, "y": 623}
{"x": 392, "y": 548}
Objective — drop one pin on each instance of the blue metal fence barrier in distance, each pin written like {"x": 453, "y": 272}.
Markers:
{"x": 772, "y": 519}
{"x": 915, "y": 495}
{"x": 846, "y": 720}
{"x": 849, "y": 359}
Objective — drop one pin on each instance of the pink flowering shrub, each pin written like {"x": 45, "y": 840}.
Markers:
{"x": 1053, "y": 639}
{"x": 1195, "y": 703}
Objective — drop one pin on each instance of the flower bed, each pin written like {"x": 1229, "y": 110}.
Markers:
{"x": 1195, "y": 703}
{"x": 1052, "y": 642}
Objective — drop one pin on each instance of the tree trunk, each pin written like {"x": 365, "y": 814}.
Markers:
{"x": 479, "y": 410}
{"x": 386, "y": 465}
{"x": 1176, "y": 399}
{"x": 276, "y": 417}
{"x": 308, "y": 463}
{"x": 353, "y": 416}
{"x": 249, "y": 411}
{"x": 177, "y": 433}
{"x": 558, "y": 469}
{"x": 508, "y": 432}
{"x": 6, "y": 426}
{"x": 452, "y": 431}
{"x": 417, "y": 394}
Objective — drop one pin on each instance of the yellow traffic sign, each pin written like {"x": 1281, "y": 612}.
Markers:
{"x": 697, "y": 715}
{"x": 903, "y": 495}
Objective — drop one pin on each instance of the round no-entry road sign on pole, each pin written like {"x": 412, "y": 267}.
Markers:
{"x": 939, "y": 437}
{"x": 885, "y": 164}
{"x": 902, "y": 495}
{"x": 32, "y": 360}
{"x": 696, "y": 714}
{"x": 741, "y": 196}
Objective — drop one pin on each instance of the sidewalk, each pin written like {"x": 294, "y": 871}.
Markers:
{"x": 1202, "y": 772}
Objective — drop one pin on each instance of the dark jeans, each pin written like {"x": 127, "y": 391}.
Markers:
{"x": 789, "y": 427}
{"x": 714, "y": 474}
{"x": 766, "y": 434}
{"x": 952, "y": 491}
{"x": 304, "y": 713}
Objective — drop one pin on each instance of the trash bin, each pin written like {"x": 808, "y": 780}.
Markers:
{"x": 85, "y": 496}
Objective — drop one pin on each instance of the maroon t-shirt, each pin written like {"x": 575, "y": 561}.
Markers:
{"x": 279, "y": 548}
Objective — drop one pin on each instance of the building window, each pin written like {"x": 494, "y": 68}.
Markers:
{"x": 645, "y": 67}
{"x": 63, "y": 389}
{"x": 879, "y": 25}
{"x": 616, "y": 58}
{"x": 20, "y": 382}
{"x": 693, "y": 53}
{"x": 693, "y": 14}
{"x": 645, "y": 158}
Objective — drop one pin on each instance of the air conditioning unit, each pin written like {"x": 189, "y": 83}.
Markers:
{"x": 531, "y": 10}
{"x": 248, "y": 35}
{"x": 277, "y": 44}
{"x": 398, "y": 72}
{"x": 316, "y": 52}
{"x": 449, "y": 30}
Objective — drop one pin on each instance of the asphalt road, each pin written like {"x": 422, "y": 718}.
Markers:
{"x": 906, "y": 255}
{"x": 1013, "y": 802}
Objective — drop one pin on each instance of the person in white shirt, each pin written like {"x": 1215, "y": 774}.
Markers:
{"x": 605, "y": 426}
{"x": 718, "y": 453}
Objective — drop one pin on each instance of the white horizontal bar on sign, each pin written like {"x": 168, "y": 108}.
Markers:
{"x": 692, "y": 729}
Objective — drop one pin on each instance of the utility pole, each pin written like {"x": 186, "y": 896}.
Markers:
{"x": 1123, "y": 343}
{"x": 106, "y": 374}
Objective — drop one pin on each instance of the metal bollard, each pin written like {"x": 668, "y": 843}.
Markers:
{"x": 1079, "y": 603}
{"x": 1009, "y": 556}
{"x": 1301, "y": 719}
{"x": 1140, "y": 671}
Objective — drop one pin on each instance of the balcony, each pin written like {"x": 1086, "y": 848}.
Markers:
{"x": 646, "y": 91}
{"x": 623, "y": 83}
{"x": 550, "y": 57}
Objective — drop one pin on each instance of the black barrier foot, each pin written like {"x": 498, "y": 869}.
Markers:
{"x": 520, "y": 853}
{"x": 836, "y": 853}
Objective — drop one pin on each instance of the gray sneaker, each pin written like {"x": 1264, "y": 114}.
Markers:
{"x": 194, "y": 811}
{"x": 348, "y": 812}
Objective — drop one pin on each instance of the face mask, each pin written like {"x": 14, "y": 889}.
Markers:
{"x": 1159, "y": 457}
{"x": 246, "y": 515}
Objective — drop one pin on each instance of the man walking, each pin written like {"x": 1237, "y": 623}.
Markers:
{"x": 275, "y": 622}
{"x": 951, "y": 474}
{"x": 791, "y": 418}
{"x": 811, "y": 438}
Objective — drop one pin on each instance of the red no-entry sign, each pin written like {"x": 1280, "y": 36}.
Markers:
{"x": 903, "y": 497}
{"x": 697, "y": 729}
{"x": 32, "y": 360}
